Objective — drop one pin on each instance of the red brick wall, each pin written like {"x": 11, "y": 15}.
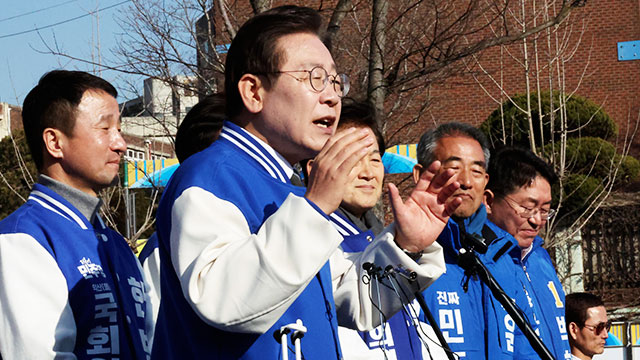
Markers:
{"x": 611, "y": 83}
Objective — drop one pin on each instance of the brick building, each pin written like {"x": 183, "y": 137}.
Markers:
{"x": 593, "y": 71}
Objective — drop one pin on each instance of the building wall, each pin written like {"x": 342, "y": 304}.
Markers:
{"x": 594, "y": 67}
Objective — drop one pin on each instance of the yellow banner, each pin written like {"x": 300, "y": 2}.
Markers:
{"x": 147, "y": 173}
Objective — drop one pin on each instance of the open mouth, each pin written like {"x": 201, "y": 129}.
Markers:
{"x": 324, "y": 122}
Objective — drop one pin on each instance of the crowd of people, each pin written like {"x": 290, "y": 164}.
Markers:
{"x": 267, "y": 245}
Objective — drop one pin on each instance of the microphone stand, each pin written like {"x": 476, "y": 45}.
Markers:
{"x": 434, "y": 325}
{"x": 469, "y": 261}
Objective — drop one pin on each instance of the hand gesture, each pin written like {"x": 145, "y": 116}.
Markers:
{"x": 331, "y": 169}
{"x": 423, "y": 216}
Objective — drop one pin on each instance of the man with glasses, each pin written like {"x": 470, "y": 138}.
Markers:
{"x": 248, "y": 259}
{"x": 518, "y": 200}
{"x": 588, "y": 325}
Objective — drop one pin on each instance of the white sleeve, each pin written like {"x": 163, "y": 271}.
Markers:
{"x": 151, "y": 271}
{"x": 240, "y": 281}
{"x": 151, "y": 297}
{"x": 352, "y": 295}
{"x": 37, "y": 321}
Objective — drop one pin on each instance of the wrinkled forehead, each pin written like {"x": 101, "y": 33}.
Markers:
{"x": 459, "y": 147}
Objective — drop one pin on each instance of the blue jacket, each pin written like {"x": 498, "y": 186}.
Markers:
{"x": 459, "y": 314}
{"x": 505, "y": 340}
{"x": 536, "y": 290}
{"x": 547, "y": 295}
{"x": 230, "y": 170}
{"x": 86, "y": 271}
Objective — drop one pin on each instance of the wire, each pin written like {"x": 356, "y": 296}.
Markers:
{"x": 36, "y": 11}
{"x": 64, "y": 21}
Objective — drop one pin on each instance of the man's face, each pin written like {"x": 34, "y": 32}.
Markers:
{"x": 91, "y": 155}
{"x": 586, "y": 339}
{"x": 505, "y": 212}
{"x": 296, "y": 120}
{"x": 365, "y": 189}
{"x": 465, "y": 157}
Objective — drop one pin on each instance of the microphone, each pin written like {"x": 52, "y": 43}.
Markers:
{"x": 371, "y": 268}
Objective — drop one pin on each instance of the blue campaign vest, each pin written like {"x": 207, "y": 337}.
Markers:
{"x": 505, "y": 340}
{"x": 400, "y": 337}
{"x": 238, "y": 169}
{"x": 106, "y": 288}
{"x": 548, "y": 296}
{"x": 458, "y": 314}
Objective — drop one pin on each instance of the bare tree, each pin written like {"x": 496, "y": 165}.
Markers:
{"x": 544, "y": 62}
{"x": 393, "y": 51}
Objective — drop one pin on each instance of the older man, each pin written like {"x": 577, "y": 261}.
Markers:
{"x": 71, "y": 287}
{"x": 455, "y": 299}
{"x": 244, "y": 252}
{"x": 587, "y": 324}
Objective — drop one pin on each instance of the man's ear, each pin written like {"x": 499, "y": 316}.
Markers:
{"x": 488, "y": 198}
{"x": 417, "y": 170}
{"x": 251, "y": 92}
{"x": 54, "y": 141}
{"x": 309, "y": 165}
{"x": 573, "y": 330}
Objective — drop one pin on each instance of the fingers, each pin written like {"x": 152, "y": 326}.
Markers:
{"x": 394, "y": 197}
{"x": 331, "y": 171}
{"x": 427, "y": 175}
{"x": 446, "y": 190}
{"x": 346, "y": 148}
{"x": 451, "y": 207}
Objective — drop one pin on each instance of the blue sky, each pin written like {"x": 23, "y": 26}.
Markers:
{"x": 22, "y": 61}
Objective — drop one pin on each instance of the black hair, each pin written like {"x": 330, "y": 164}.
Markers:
{"x": 576, "y": 306}
{"x": 429, "y": 140}
{"x": 513, "y": 168}
{"x": 53, "y": 104}
{"x": 254, "y": 49}
{"x": 201, "y": 126}
{"x": 358, "y": 114}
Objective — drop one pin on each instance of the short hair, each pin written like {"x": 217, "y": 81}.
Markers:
{"x": 576, "y": 306}
{"x": 513, "y": 168}
{"x": 429, "y": 140}
{"x": 254, "y": 48}
{"x": 53, "y": 103}
{"x": 358, "y": 114}
{"x": 201, "y": 126}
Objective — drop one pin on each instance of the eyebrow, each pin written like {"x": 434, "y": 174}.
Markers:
{"x": 535, "y": 201}
{"x": 457, "y": 158}
{"x": 312, "y": 65}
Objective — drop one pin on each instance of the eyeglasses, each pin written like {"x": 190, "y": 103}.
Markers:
{"x": 528, "y": 213}
{"x": 319, "y": 77}
{"x": 597, "y": 329}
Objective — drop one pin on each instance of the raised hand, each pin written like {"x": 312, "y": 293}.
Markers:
{"x": 331, "y": 170}
{"x": 421, "y": 218}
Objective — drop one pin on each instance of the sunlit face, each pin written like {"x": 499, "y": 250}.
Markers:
{"x": 365, "y": 189}
{"x": 465, "y": 157}
{"x": 585, "y": 338}
{"x": 91, "y": 155}
{"x": 296, "y": 120}
{"x": 505, "y": 212}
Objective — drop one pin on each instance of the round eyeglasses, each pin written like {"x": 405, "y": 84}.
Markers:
{"x": 319, "y": 77}
{"x": 597, "y": 329}
{"x": 528, "y": 213}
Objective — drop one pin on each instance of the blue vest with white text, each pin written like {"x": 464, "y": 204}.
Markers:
{"x": 106, "y": 288}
